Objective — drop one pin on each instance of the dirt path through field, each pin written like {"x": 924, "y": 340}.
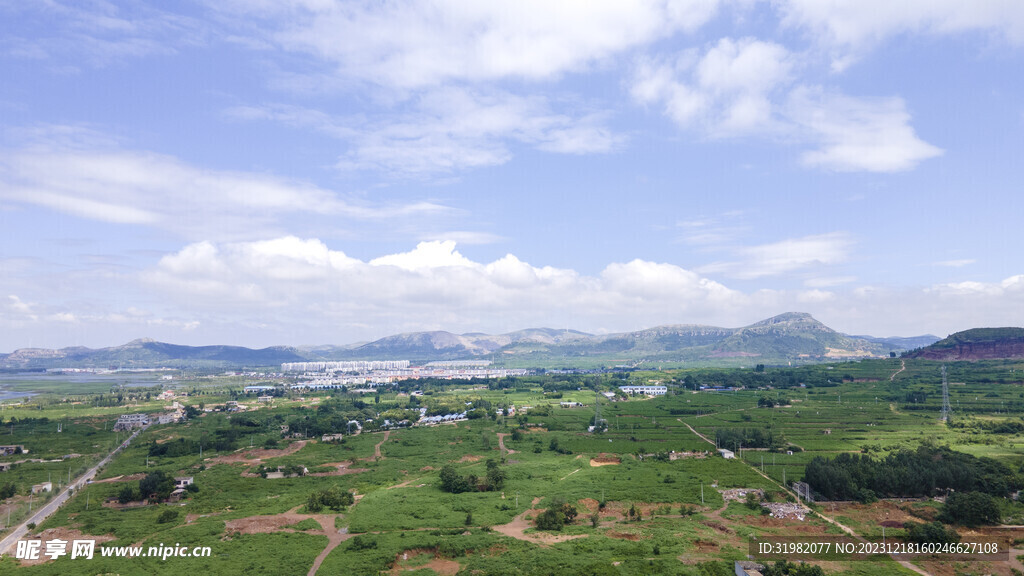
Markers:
{"x": 334, "y": 537}
{"x": 501, "y": 444}
{"x": 903, "y": 366}
{"x": 376, "y": 449}
{"x": 703, "y": 437}
{"x": 518, "y": 526}
{"x": 280, "y": 522}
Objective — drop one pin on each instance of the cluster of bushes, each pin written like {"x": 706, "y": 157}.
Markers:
{"x": 155, "y": 486}
{"x": 750, "y": 438}
{"x": 334, "y": 498}
{"x": 452, "y": 482}
{"x": 554, "y": 446}
{"x": 930, "y": 532}
{"x": 769, "y": 402}
{"x": 558, "y": 514}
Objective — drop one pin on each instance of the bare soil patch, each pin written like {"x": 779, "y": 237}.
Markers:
{"x": 342, "y": 468}
{"x": 605, "y": 460}
{"x": 128, "y": 478}
{"x": 518, "y": 526}
{"x": 471, "y": 458}
{"x": 258, "y": 455}
{"x": 406, "y": 562}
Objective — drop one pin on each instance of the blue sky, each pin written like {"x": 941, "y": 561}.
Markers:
{"x": 309, "y": 172}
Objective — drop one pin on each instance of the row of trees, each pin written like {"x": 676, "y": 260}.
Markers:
{"x": 927, "y": 471}
{"x": 734, "y": 438}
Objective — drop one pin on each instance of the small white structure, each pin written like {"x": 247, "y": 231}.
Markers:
{"x": 44, "y": 487}
{"x": 183, "y": 481}
{"x": 727, "y": 454}
{"x": 646, "y": 390}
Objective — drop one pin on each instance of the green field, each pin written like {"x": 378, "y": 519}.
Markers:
{"x": 403, "y": 518}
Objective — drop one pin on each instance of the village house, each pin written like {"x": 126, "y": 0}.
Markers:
{"x": 11, "y": 449}
{"x": 129, "y": 421}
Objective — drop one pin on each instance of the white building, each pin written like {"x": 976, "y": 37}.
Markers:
{"x": 646, "y": 390}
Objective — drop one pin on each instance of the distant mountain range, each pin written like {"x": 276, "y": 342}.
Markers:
{"x": 790, "y": 337}
{"x": 975, "y": 344}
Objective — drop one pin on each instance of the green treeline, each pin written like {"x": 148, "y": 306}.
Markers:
{"x": 927, "y": 471}
{"x": 735, "y": 438}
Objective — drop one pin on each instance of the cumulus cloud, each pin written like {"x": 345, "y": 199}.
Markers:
{"x": 725, "y": 91}
{"x": 431, "y": 285}
{"x": 293, "y": 285}
{"x": 123, "y": 186}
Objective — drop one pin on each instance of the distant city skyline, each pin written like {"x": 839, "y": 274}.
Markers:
{"x": 262, "y": 173}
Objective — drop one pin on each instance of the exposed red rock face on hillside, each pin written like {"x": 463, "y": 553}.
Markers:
{"x": 975, "y": 344}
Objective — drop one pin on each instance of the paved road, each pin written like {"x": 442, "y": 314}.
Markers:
{"x": 7, "y": 544}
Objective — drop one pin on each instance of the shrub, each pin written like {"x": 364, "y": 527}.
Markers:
{"x": 166, "y": 516}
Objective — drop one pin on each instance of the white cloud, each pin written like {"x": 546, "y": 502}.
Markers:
{"x": 852, "y": 26}
{"x": 113, "y": 184}
{"x": 828, "y": 281}
{"x": 420, "y": 44}
{"x": 309, "y": 289}
{"x": 785, "y": 256}
{"x": 956, "y": 263}
{"x": 448, "y": 129}
{"x": 95, "y": 33}
{"x": 427, "y": 255}
{"x": 431, "y": 285}
{"x": 855, "y": 134}
{"x": 747, "y": 87}
{"x": 725, "y": 91}
{"x": 465, "y": 237}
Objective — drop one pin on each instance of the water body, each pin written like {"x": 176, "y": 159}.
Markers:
{"x": 27, "y": 384}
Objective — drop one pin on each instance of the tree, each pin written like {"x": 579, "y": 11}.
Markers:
{"x": 495, "y": 476}
{"x": 970, "y": 509}
{"x": 8, "y": 490}
{"x": 452, "y": 482}
{"x": 156, "y": 485}
{"x": 127, "y": 494}
{"x": 550, "y": 519}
